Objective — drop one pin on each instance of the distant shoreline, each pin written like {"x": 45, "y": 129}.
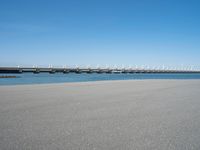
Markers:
{"x": 6, "y": 76}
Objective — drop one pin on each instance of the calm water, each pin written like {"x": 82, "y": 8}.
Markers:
{"x": 30, "y": 78}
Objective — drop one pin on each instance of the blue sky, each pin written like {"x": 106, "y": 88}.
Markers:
{"x": 99, "y": 32}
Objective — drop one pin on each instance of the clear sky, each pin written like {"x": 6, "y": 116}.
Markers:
{"x": 99, "y": 32}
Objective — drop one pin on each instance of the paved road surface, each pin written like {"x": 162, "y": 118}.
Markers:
{"x": 116, "y": 115}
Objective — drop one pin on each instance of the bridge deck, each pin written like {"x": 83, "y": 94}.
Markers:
{"x": 88, "y": 70}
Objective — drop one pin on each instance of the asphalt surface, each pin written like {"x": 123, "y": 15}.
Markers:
{"x": 116, "y": 115}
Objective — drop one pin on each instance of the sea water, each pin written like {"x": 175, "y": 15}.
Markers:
{"x": 30, "y": 78}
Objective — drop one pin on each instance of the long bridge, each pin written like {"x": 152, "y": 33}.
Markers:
{"x": 36, "y": 70}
